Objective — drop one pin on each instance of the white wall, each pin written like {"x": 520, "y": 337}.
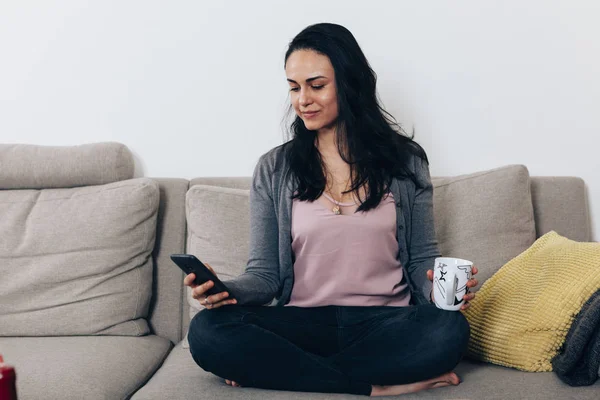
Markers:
{"x": 197, "y": 88}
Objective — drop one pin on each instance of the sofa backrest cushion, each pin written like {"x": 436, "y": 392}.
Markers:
{"x": 25, "y": 166}
{"x": 560, "y": 204}
{"x": 218, "y": 221}
{"x": 235, "y": 182}
{"x": 77, "y": 261}
{"x": 486, "y": 217}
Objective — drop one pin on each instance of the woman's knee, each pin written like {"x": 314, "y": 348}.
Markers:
{"x": 206, "y": 336}
{"x": 448, "y": 332}
{"x": 199, "y": 335}
{"x": 201, "y": 326}
{"x": 462, "y": 330}
{"x": 455, "y": 335}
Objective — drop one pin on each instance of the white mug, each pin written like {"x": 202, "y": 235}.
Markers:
{"x": 450, "y": 277}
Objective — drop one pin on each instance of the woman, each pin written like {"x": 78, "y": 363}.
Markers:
{"x": 342, "y": 237}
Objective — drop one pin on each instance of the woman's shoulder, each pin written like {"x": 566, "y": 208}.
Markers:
{"x": 412, "y": 151}
{"x": 416, "y": 162}
{"x": 274, "y": 158}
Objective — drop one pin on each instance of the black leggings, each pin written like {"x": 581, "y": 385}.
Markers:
{"x": 336, "y": 349}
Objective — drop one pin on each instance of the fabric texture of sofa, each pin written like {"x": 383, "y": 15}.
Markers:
{"x": 91, "y": 305}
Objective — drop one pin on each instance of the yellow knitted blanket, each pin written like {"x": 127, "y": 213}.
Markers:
{"x": 522, "y": 314}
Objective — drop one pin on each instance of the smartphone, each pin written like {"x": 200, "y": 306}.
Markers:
{"x": 190, "y": 264}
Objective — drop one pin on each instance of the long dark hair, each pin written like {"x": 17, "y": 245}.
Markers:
{"x": 368, "y": 137}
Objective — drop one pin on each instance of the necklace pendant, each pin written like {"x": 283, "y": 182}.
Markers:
{"x": 336, "y": 210}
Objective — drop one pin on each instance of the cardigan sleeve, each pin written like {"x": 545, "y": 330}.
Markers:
{"x": 423, "y": 248}
{"x": 260, "y": 282}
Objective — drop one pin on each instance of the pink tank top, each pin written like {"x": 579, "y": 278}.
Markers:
{"x": 346, "y": 260}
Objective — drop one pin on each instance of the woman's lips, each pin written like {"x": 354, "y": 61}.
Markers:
{"x": 310, "y": 114}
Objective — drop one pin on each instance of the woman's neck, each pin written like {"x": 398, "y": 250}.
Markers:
{"x": 326, "y": 140}
{"x": 335, "y": 166}
{"x": 327, "y": 144}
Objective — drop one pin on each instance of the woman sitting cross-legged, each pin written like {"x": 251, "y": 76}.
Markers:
{"x": 341, "y": 246}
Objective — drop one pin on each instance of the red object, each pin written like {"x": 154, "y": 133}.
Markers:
{"x": 8, "y": 378}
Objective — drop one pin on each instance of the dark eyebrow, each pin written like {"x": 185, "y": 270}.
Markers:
{"x": 308, "y": 80}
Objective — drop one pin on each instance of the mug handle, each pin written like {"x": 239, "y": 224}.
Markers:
{"x": 451, "y": 289}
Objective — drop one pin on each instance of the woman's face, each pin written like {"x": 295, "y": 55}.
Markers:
{"x": 312, "y": 89}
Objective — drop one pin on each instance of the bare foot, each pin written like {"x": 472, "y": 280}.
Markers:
{"x": 447, "y": 379}
{"x": 232, "y": 383}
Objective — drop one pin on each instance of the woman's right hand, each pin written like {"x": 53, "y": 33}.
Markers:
{"x": 199, "y": 292}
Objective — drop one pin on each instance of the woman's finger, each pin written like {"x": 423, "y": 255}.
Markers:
{"x": 472, "y": 283}
{"x": 474, "y": 270}
{"x": 221, "y": 304}
{"x": 189, "y": 280}
{"x": 430, "y": 274}
{"x": 198, "y": 291}
{"x": 215, "y": 298}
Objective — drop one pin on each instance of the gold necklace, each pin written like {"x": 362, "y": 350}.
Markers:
{"x": 336, "y": 208}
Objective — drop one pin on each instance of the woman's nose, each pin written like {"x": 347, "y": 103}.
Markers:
{"x": 304, "y": 99}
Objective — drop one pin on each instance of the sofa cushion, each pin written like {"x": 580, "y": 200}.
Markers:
{"x": 83, "y": 367}
{"x": 527, "y": 332}
{"x": 77, "y": 261}
{"x": 25, "y": 166}
{"x": 485, "y": 217}
{"x": 560, "y": 205}
{"x": 218, "y": 221}
{"x": 181, "y": 378}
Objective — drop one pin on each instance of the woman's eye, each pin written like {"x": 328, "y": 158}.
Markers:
{"x": 316, "y": 87}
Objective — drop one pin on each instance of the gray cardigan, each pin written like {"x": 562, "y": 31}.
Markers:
{"x": 269, "y": 274}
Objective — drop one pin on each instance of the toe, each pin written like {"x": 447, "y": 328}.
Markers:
{"x": 454, "y": 379}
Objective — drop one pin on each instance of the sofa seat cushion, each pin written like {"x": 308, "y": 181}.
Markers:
{"x": 180, "y": 378}
{"x": 83, "y": 367}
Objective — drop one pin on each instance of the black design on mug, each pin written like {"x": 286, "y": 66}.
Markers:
{"x": 467, "y": 270}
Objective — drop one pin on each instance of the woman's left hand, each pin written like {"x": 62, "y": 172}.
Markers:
{"x": 471, "y": 284}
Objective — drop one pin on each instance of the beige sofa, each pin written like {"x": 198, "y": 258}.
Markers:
{"x": 75, "y": 328}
